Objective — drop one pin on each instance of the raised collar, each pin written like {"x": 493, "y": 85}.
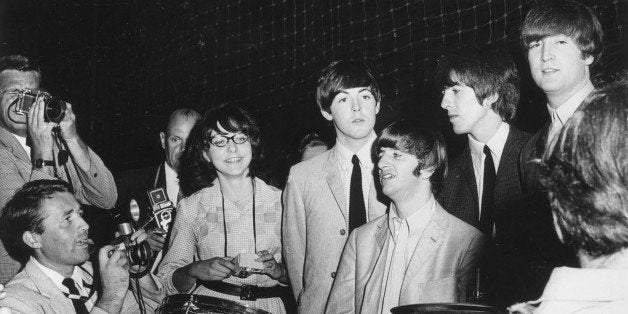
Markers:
{"x": 416, "y": 222}
{"x": 56, "y": 278}
{"x": 566, "y": 109}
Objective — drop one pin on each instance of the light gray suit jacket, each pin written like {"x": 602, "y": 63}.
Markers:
{"x": 31, "y": 291}
{"x": 440, "y": 270}
{"x": 315, "y": 227}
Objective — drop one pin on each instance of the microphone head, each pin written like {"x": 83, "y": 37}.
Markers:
{"x": 135, "y": 210}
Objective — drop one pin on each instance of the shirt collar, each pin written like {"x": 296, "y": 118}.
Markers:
{"x": 56, "y": 278}
{"x": 496, "y": 143}
{"x": 564, "y": 111}
{"x": 568, "y": 283}
{"x": 415, "y": 222}
{"x": 22, "y": 141}
{"x": 344, "y": 155}
{"x": 170, "y": 173}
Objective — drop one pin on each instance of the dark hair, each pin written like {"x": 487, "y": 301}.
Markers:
{"x": 196, "y": 172}
{"x": 489, "y": 70}
{"x": 23, "y": 212}
{"x": 585, "y": 169}
{"x": 569, "y": 18}
{"x": 19, "y": 63}
{"x": 341, "y": 75}
{"x": 426, "y": 145}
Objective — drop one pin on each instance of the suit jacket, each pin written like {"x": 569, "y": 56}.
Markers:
{"x": 440, "y": 270}
{"x": 95, "y": 186}
{"x": 460, "y": 198}
{"x": 315, "y": 227}
{"x": 31, "y": 291}
{"x": 544, "y": 251}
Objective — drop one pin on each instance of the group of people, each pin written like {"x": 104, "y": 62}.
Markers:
{"x": 374, "y": 222}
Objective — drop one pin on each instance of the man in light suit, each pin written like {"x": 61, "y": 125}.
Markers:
{"x": 418, "y": 253}
{"x": 480, "y": 94}
{"x": 327, "y": 196}
{"x": 44, "y": 219}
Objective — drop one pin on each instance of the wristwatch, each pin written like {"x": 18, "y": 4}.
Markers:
{"x": 40, "y": 163}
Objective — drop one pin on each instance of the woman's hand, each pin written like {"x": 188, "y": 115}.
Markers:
{"x": 213, "y": 269}
{"x": 272, "y": 268}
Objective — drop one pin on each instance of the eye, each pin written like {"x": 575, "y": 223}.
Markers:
{"x": 342, "y": 99}
{"x": 175, "y": 139}
{"x": 397, "y": 155}
{"x": 534, "y": 44}
{"x": 219, "y": 141}
{"x": 561, "y": 42}
{"x": 367, "y": 96}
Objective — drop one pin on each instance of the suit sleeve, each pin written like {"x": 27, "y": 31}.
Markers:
{"x": 342, "y": 295}
{"x": 294, "y": 233}
{"x": 97, "y": 186}
{"x": 468, "y": 265}
{"x": 12, "y": 178}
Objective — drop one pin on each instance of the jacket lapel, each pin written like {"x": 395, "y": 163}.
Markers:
{"x": 48, "y": 289}
{"x": 469, "y": 176}
{"x": 373, "y": 287}
{"x": 335, "y": 182}
{"x": 9, "y": 141}
{"x": 430, "y": 240}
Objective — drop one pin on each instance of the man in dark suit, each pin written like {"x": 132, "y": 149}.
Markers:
{"x": 480, "y": 94}
{"x": 562, "y": 40}
{"x": 134, "y": 184}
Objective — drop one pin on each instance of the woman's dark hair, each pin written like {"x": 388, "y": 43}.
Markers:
{"x": 196, "y": 172}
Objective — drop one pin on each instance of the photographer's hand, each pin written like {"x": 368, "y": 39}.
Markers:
{"x": 156, "y": 239}
{"x": 40, "y": 133}
{"x": 114, "y": 276}
{"x": 77, "y": 148}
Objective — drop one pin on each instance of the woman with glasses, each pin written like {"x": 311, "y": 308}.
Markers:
{"x": 229, "y": 217}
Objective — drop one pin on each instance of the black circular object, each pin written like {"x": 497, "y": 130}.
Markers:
{"x": 193, "y": 303}
{"x": 55, "y": 109}
{"x": 445, "y": 308}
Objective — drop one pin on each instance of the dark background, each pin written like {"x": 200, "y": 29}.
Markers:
{"x": 126, "y": 65}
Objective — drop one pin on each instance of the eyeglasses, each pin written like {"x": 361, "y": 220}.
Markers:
{"x": 222, "y": 140}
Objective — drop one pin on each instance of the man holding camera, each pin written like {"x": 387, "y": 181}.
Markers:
{"x": 44, "y": 220}
{"x": 33, "y": 148}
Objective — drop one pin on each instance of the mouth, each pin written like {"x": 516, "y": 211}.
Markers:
{"x": 386, "y": 176}
{"x": 358, "y": 121}
{"x": 549, "y": 70}
{"x": 85, "y": 242}
{"x": 452, "y": 117}
{"x": 233, "y": 160}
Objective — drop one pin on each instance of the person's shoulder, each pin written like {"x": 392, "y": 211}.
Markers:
{"x": 306, "y": 169}
{"x": 519, "y": 136}
{"x": 372, "y": 226}
{"x": 268, "y": 190}
{"x": 459, "y": 228}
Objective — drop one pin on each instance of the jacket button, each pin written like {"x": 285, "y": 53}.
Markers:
{"x": 342, "y": 232}
{"x": 333, "y": 274}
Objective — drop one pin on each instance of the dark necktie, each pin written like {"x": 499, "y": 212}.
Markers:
{"x": 75, "y": 296}
{"x": 357, "y": 210}
{"x": 488, "y": 203}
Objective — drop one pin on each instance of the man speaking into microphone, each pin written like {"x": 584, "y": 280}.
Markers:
{"x": 44, "y": 220}
{"x": 30, "y": 150}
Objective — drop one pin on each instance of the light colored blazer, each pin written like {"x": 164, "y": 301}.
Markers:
{"x": 31, "y": 291}
{"x": 96, "y": 186}
{"x": 440, "y": 270}
{"x": 315, "y": 227}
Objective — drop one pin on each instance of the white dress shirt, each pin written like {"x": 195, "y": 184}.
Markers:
{"x": 405, "y": 236}
{"x": 172, "y": 184}
{"x": 496, "y": 144}
{"x": 77, "y": 276}
{"x": 560, "y": 115}
{"x": 344, "y": 156}
{"x": 22, "y": 141}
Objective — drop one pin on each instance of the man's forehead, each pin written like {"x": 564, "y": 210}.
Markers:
{"x": 16, "y": 78}
{"x": 59, "y": 203}
{"x": 358, "y": 89}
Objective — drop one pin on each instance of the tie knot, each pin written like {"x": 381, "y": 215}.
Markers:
{"x": 487, "y": 150}
{"x": 355, "y": 160}
{"x": 70, "y": 284}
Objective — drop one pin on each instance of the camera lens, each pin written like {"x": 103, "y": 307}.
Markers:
{"x": 55, "y": 110}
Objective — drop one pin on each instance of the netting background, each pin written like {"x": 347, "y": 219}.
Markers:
{"x": 127, "y": 64}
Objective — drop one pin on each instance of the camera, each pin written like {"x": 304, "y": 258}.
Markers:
{"x": 137, "y": 253}
{"x": 54, "y": 107}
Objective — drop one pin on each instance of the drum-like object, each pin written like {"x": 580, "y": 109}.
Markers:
{"x": 445, "y": 308}
{"x": 193, "y": 303}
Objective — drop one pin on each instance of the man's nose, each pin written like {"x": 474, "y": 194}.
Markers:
{"x": 355, "y": 104}
{"x": 547, "y": 51}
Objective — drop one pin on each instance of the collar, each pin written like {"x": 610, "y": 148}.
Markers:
{"x": 416, "y": 222}
{"x": 22, "y": 141}
{"x": 565, "y": 110}
{"x": 344, "y": 155}
{"x": 170, "y": 173}
{"x": 56, "y": 277}
{"x": 496, "y": 143}
{"x": 586, "y": 284}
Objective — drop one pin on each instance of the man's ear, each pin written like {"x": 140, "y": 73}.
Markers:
{"x": 377, "y": 108}
{"x": 162, "y": 137}
{"x": 426, "y": 174}
{"x": 327, "y": 115}
{"x": 32, "y": 239}
{"x": 490, "y": 100}
{"x": 588, "y": 60}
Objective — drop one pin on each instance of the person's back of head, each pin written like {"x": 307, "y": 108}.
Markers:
{"x": 586, "y": 173}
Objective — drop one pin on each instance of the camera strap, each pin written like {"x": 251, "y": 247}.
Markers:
{"x": 224, "y": 219}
